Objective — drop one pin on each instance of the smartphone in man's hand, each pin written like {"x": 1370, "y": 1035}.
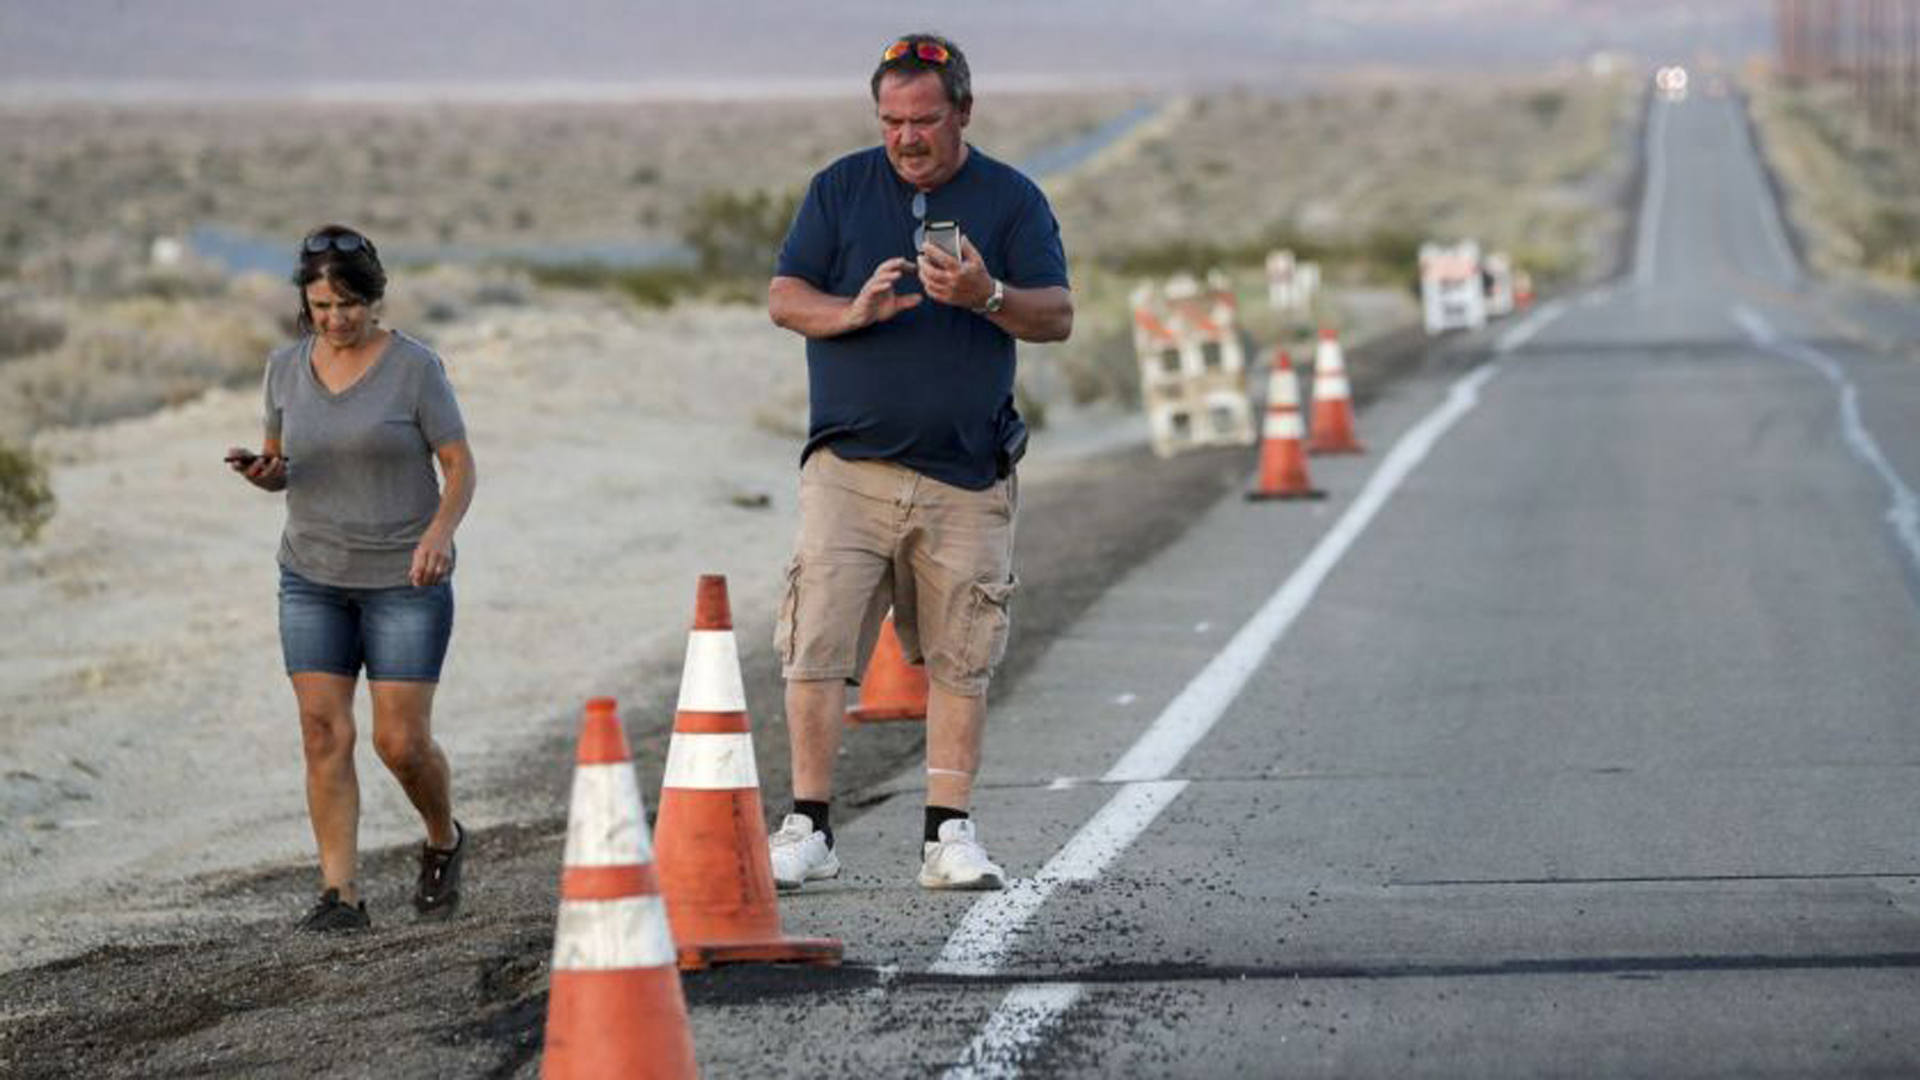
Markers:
{"x": 945, "y": 235}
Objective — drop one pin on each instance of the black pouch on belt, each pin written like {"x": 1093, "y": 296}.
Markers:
{"x": 1013, "y": 441}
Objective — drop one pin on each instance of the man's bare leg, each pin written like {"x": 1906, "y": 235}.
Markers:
{"x": 954, "y": 723}
{"x": 816, "y": 711}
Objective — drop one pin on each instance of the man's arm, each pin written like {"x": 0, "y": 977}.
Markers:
{"x": 796, "y": 305}
{"x": 1038, "y": 314}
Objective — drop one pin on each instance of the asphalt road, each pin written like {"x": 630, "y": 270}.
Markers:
{"x": 1577, "y": 734}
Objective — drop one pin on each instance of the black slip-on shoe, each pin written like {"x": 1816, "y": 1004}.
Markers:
{"x": 332, "y": 915}
{"x": 437, "y": 894}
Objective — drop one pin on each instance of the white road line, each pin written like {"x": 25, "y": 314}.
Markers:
{"x": 981, "y": 942}
{"x": 979, "y": 945}
{"x": 1192, "y": 713}
{"x": 1650, "y": 202}
{"x": 1534, "y": 323}
{"x": 1903, "y": 510}
{"x": 1023, "y": 1016}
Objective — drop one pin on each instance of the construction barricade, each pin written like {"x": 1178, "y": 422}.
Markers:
{"x": 1452, "y": 296}
{"x": 1291, "y": 283}
{"x": 1193, "y": 367}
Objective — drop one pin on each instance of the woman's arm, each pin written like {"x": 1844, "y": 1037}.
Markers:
{"x": 267, "y": 471}
{"x": 433, "y": 556}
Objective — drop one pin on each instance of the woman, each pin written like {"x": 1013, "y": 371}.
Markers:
{"x": 356, "y": 415}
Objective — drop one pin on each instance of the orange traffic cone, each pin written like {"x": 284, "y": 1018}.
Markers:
{"x": 1332, "y": 402}
{"x": 615, "y": 1006}
{"x": 892, "y": 689}
{"x": 714, "y": 868}
{"x": 1283, "y": 460}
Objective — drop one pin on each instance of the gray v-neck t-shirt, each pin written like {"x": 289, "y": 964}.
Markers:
{"x": 361, "y": 485}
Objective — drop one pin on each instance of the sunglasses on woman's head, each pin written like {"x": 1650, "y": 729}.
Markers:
{"x": 344, "y": 243}
{"x": 931, "y": 51}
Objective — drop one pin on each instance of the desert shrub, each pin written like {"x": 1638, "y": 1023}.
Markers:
{"x": 186, "y": 281}
{"x": 23, "y": 331}
{"x": 648, "y": 286}
{"x": 133, "y": 356}
{"x": 445, "y": 293}
{"x": 1174, "y": 256}
{"x": 26, "y": 499}
{"x": 1101, "y": 366}
{"x": 1384, "y": 254}
{"x": 1546, "y": 105}
{"x": 1891, "y": 237}
{"x": 1391, "y": 253}
{"x": 734, "y": 234}
{"x": 105, "y": 267}
{"x": 87, "y": 266}
{"x": 1032, "y": 408}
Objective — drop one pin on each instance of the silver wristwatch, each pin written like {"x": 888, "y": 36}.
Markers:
{"x": 996, "y": 301}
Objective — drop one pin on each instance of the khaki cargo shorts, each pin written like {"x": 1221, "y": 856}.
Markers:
{"x": 875, "y": 535}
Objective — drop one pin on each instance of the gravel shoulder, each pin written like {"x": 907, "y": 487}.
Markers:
{"x": 207, "y": 980}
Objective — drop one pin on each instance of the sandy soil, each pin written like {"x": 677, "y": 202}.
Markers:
{"x": 196, "y": 974}
{"x": 147, "y": 728}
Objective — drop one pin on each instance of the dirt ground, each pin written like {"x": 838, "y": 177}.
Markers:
{"x": 230, "y": 991}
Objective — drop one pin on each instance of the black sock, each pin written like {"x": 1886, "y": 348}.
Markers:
{"x": 938, "y": 816}
{"x": 817, "y": 813}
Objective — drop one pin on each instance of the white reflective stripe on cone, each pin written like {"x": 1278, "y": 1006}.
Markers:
{"x": 710, "y": 762}
{"x": 710, "y": 682}
{"x": 1284, "y": 425}
{"x": 1330, "y": 386}
{"x": 606, "y": 823}
{"x": 609, "y": 935}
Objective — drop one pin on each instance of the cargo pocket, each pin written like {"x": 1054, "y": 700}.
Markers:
{"x": 988, "y": 624}
{"x": 789, "y": 608}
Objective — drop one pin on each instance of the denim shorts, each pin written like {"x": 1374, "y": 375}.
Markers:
{"x": 399, "y": 634}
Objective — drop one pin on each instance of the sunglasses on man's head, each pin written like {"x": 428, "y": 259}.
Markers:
{"x": 931, "y": 51}
{"x": 344, "y": 243}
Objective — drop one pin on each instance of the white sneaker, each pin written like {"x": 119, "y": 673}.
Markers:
{"x": 800, "y": 853}
{"x": 958, "y": 861}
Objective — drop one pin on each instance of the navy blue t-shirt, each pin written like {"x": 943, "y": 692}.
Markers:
{"x": 930, "y": 387}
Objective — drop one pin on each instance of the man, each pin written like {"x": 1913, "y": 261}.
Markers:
{"x": 907, "y": 493}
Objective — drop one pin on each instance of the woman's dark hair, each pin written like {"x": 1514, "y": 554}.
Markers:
{"x": 346, "y": 259}
{"x": 955, "y": 78}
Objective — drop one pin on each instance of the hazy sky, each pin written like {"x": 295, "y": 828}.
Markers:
{"x": 279, "y": 46}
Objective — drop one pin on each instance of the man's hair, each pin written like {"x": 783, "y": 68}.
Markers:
{"x": 955, "y": 78}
